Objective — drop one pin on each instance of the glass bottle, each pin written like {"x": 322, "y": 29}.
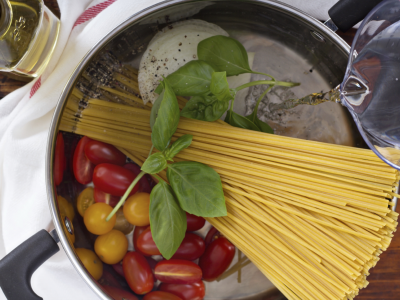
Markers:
{"x": 28, "y": 35}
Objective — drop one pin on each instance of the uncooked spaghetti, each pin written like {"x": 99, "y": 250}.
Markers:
{"x": 313, "y": 217}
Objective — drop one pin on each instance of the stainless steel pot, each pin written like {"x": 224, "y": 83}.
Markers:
{"x": 287, "y": 42}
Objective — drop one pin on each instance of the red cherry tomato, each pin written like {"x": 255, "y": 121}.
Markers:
{"x": 100, "y": 196}
{"x": 191, "y": 248}
{"x": 152, "y": 263}
{"x": 113, "y": 179}
{"x": 98, "y": 153}
{"x": 136, "y": 233}
{"x": 194, "y": 222}
{"x": 144, "y": 182}
{"x": 146, "y": 244}
{"x": 216, "y": 259}
{"x": 157, "y": 295}
{"x": 83, "y": 168}
{"x": 119, "y": 294}
{"x": 194, "y": 291}
{"x": 59, "y": 160}
{"x": 119, "y": 269}
{"x": 108, "y": 279}
{"x": 138, "y": 273}
{"x": 212, "y": 235}
{"x": 178, "y": 271}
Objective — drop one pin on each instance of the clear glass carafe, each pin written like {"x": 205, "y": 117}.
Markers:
{"x": 28, "y": 35}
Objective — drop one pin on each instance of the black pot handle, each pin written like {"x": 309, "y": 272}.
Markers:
{"x": 347, "y": 13}
{"x": 17, "y": 267}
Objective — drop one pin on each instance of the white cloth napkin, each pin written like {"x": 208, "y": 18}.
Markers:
{"x": 25, "y": 117}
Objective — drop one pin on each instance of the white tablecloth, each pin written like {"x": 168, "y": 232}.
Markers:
{"x": 25, "y": 117}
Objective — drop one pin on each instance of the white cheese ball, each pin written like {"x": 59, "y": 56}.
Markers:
{"x": 170, "y": 49}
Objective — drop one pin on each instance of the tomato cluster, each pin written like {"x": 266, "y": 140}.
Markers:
{"x": 179, "y": 278}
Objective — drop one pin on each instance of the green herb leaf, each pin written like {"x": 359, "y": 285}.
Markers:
{"x": 154, "y": 163}
{"x": 204, "y": 108}
{"x": 198, "y": 188}
{"x": 181, "y": 143}
{"x": 264, "y": 127}
{"x": 224, "y": 54}
{"x": 237, "y": 120}
{"x": 220, "y": 86}
{"x": 167, "y": 219}
{"x": 167, "y": 119}
{"x": 156, "y": 107}
{"x": 192, "y": 79}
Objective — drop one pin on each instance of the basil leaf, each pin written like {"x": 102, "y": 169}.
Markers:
{"x": 192, "y": 79}
{"x": 220, "y": 86}
{"x": 167, "y": 119}
{"x": 159, "y": 89}
{"x": 237, "y": 120}
{"x": 167, "y": 219}
{"x": 156, "y": 107}
{"x": 181, "y": 143}
{"x": 198, "y": 188}
{"x": 264, "y": 127}
{"x": 224, "y": 54}
{"x": 206, "y": 108}
{"x": 154, "y": 163}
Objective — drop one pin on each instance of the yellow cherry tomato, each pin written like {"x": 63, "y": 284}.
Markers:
{"x": 121, "y": 223}
{"x": 91, "y": 262}
{"x": 111, "y": 247}
{"x": 136, "y": 209}
{"x": 71, "y": 237}
{"x": 85, "y": 199}
{"x": 95, "y": 218}
{"x": 66, "y": 207}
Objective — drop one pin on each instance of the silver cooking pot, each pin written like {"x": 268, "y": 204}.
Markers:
{"x": 286, "y": 42}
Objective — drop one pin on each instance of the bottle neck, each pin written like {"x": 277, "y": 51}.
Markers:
{"x": 5, "y": 17}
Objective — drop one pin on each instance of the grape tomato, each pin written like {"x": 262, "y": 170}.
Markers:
{"x": 121, "y": 223}
{"x": 194, "y": 291}
{"x": 191, "y": 248}
{"x": 95, "y": 218}
{"x": 81, "y": 165}
{"x": 144, "y": 181}
{"x": 119, "y": 269}
{"x": 99, "y": 152}
{"x": 100, "y": 196}
{"x": 216, "y": 259}
{"x": 118, "y": 294}
{"x": 113, "y": 179}
{"x": 109, "y": 279}
{"x": 111, "y": 247}
{"x": 158, "y": 295}
{"x": 194, "y": 222}
{"x": 146, "y": 244}
{"x": 212, "y": 235}
{"x": 85, "y": 199}
{"x": 136, "y": 233}
{"x": 138, "y": 273}
{"x": 59, "y": 159}
{"x": 178, "y": 271}
{"x": 137, "y": 209}
{"x": 91, "y": 262}
{"x": 66, "y": 207}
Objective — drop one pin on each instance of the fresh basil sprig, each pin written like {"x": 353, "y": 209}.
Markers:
{"x": 167, "y": 219}
{"x": 205, "y": 108}
{"x": 167, "y": 118}
{"x": 192, "y": 79}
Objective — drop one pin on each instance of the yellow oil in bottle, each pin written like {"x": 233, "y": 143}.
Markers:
{"x": 28, "y": 35}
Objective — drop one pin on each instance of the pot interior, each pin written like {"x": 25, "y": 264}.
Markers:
{"x": 285, "y": 43}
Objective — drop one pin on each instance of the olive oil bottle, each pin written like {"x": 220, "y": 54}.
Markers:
{"x": 28, "y": 35}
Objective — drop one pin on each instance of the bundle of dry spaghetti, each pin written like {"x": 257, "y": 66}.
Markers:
{"x": 313, "y": 217}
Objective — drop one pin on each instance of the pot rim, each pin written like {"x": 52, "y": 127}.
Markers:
{"x": 51, "y": 140}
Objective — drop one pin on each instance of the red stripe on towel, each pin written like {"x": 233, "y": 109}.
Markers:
{"x": 93, "y": 11}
